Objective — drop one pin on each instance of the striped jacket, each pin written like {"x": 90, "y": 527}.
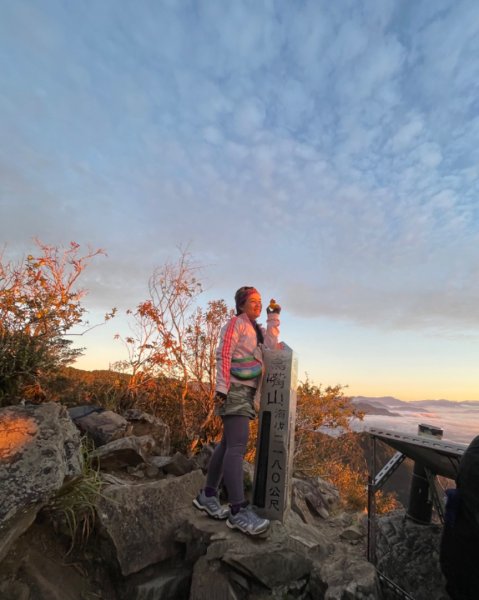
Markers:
{"x": 238, "y": 345}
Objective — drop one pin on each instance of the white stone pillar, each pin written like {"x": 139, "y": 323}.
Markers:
{"x": 275, "y": 444}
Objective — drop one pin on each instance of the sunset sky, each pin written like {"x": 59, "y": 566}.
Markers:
{"x": 325, "y": 152}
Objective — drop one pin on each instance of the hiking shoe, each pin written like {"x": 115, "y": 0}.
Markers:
{"x": 247, "y": 521}
{"x": 211, "y": 505}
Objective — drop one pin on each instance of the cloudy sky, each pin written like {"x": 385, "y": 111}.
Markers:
{"x": 325, "y": 152}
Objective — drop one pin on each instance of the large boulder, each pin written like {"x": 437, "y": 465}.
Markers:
{"x": 273, "y": 566}
{"x": 140, "y": 519}
{"x": 124, "y": 452}
{"x": 232, "y": 565}
{"x": 100, "y": 425}
{"x": 39, "y": 454}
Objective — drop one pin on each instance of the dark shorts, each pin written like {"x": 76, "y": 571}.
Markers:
{"x": 239, "y": 401}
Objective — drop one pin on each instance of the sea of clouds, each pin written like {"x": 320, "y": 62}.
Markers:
{"x": 458, "y": 420}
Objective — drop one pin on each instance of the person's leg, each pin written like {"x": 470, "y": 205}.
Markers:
{"x": 215, "y": 467}
{"x": 241, "y": 516}
{"x": 207, "y": 499}
{"x": 236, "y": 432}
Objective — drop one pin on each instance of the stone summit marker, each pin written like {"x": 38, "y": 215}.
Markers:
{"x": 275, "y": 445}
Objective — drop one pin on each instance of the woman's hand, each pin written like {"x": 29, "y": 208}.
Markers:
{"x": 273, "y": 307}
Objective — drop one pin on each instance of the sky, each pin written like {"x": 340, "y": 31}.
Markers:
{"x": 324, "y": 152}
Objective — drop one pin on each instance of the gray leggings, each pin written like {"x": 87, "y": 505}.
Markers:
{"x": 227, "y": 459}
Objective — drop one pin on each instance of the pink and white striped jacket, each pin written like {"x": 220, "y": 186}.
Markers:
{"x": 238, "y": 341}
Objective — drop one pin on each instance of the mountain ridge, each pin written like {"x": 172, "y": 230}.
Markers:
{"x": 392, "y": 401}
{"x": 387, "y": 405}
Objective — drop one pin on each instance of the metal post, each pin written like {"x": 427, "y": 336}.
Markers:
{"x": 372, "y": 507}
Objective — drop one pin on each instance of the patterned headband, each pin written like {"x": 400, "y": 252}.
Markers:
{"x": 242, "y": 295}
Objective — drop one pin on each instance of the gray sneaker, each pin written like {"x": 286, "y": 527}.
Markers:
{"x": 211, "y": 505}
{"x": 247, "y": 521}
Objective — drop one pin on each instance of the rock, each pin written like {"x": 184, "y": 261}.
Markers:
{"x": 344, "y": 578}
{"x": 51, "y": 580}
{"x": 307, "y": 540}
{"x": 14, "y": 590}
{"x": 280, "y": 562}
{"x": 274, "y": 562}
{"x": 197, "y": 533}
{"x": 408, "y": 554}
{"x": 36, "y": 569}
{"x": 159, "y": 582}
{"x": 241, "y": 581}
{"x": 141, "y": 423}
{"x": 152, "y": 544}
{"x": 352, "y": 534}
{"x": 271, "y": 566}
{"x": 178, "y": 465}
{"x": 110, "y": 479}
{"x": 101, "y": 426}
{"x": 160, "y": 461}
{"x": 175, "y": 465}
{"x": 300, "y": 506}
{"x": 203, "y": 457}
{"x": 267, "y": 560}
{"x": 140, "y": 519}
{"x": 313, "y": 498}
{"x": 136, "y": 472}
{"x": 125, "y": 452}
{"x": 248, "y": 479}
{"x": 39, "y": 453}
{"x": 210, "y": 582}
{"x": 152, "y": 472}
{"x": 12, "y": 529}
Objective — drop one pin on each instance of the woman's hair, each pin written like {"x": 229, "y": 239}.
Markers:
{"x": 242, "y": 295}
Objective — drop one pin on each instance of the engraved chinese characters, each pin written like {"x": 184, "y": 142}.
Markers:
{"x": 275, "y": 447}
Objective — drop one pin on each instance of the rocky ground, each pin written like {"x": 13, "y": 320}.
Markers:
{"x": 147, "y": 542}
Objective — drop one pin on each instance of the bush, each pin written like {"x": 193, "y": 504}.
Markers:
{"x": 337, "y": 458}
{"x": 39, "y": 305}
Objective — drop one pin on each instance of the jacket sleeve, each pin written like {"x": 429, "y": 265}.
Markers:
{"x": 271, "y": 335}
{"x": 228, "y": 340}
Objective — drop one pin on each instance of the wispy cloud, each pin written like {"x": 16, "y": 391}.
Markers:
{"x": 329, "y": 148}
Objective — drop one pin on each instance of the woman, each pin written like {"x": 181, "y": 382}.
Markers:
{"x": 239, "y": 368}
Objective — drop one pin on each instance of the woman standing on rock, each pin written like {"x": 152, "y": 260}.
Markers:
{"x": 239, "y": 367}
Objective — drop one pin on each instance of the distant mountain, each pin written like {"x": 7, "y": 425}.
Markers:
{"x": 382, "y": 405}
{"x": 388, "y": 400}
{"x": 369, "y": 408}
{"x": 388, "y": 405}
{"x": 446, "y": 403}
{"x": 458, "y": 420}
